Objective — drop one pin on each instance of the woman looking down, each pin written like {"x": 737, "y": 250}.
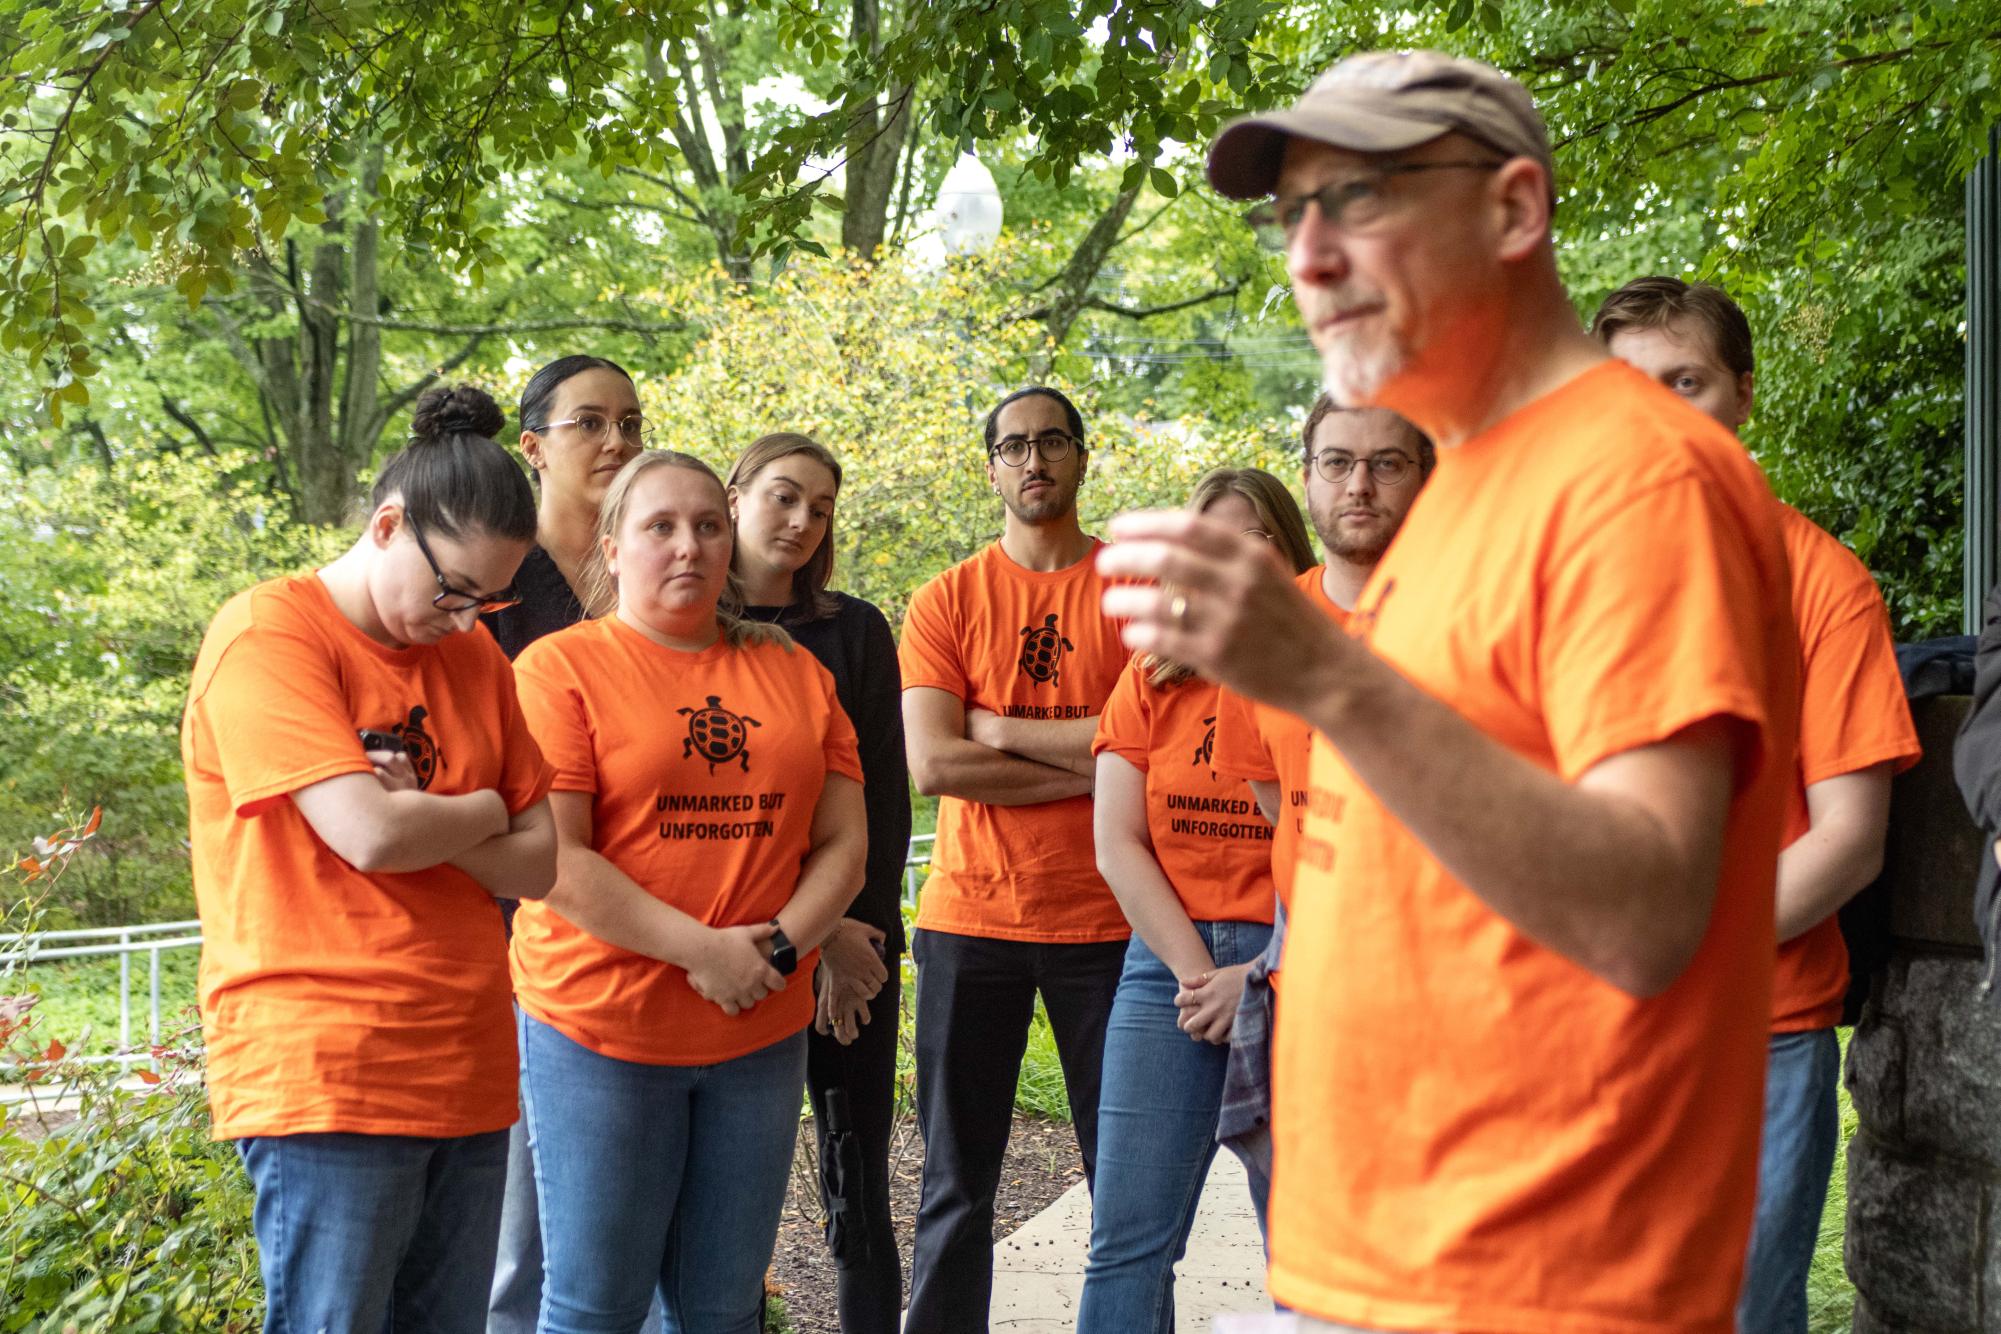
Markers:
{"x": 361, "y": 786}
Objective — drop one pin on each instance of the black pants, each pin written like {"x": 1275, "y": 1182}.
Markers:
{"x": 853, "y": 1090}
{"x": 975, "y": 1001}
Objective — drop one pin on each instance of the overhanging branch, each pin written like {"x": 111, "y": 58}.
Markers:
{"x": 1228, "y": 289}
{"x": 507, "y": 327}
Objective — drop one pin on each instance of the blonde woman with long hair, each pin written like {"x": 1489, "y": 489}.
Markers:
{"x": 1188, "y": 855}
{"x": 710, "y": 833}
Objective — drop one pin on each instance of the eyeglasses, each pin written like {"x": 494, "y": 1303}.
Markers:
{"x": 1351, "y": 205}
{"x": 1385, "y": 469}
{"x": 1051, "y": 445}
{"x": 635, "y": 429}
{"x": 457, "y": 599}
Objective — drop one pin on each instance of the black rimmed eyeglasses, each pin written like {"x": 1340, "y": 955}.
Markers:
{"x": 1051, "y": 445}
{"x": 1351, "y": 204}
{"x": 456, "y": 600}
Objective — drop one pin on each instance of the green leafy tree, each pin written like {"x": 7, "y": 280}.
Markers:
{"x": 110, "y": 577}
{"x": 895, "y": 367}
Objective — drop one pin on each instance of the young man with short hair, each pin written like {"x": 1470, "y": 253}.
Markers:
{"x": 1520, "y": 1057}
{"x": 1007, "y": 661}
{"x": 1362, "y": 468}
{"x": 1855, "y": 732}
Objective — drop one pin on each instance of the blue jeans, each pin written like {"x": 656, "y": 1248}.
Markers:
{"x": 516, "y": 1301}
{"x": 665, "y": 1177}
{"x": 1802, "y": 1130}
{"x": 1156, "y": 1138}
{"x": 376, "y": 1234}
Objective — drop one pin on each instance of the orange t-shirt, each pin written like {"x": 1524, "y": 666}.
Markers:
{"x": 1210, "y": 839}
{"x": 703, "y": 770}
{"x": 1472, "y": 1132}
{"x": 1023, "y": 644}
{"x": 1257, "y": 743}
{"x": 332, "y": 999}
{"x": 1853, "y": 715}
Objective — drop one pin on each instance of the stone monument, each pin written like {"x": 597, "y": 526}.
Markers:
{"x": 1924, "y": 1069}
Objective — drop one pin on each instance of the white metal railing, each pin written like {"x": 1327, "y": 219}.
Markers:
{"x": 18, "y": 950}
{"x": 21, "y": 949}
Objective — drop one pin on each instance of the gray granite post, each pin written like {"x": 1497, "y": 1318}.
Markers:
{"x": 1924, "y": 1069}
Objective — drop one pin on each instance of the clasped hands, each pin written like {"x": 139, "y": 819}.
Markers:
{"x": 851, "y": 974}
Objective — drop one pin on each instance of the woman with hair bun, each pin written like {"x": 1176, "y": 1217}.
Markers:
{"x": 710, "y": 825}
{"x": 361, "y": 786}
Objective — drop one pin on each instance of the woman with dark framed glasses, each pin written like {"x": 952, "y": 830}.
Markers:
{"x": 361, "y": 786}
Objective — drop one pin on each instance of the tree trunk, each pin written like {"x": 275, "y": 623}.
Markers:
{"x": 320, "y": 461}
{"x": 714, "y": 176}
{"x": 1074, "y": 283}
{"x": 874, "y": 143}
{"x": 361, "y": 421}
{"x": 322, "y": 386}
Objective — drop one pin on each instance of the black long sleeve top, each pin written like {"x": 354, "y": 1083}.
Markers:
{"x": 547, "y": 605}
{"x": 856, "y": 646}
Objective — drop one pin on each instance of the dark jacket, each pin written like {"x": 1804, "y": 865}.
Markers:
{"x": 1976, "y": 763}
{"x": 856, "y": 647}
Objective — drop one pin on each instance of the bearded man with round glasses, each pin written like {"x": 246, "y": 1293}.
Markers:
{"x": 1007, "y": 661}
{"x": 1519, "y": 1072}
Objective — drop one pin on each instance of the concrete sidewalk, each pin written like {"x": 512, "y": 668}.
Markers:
{"x": 1039, "y": 1268}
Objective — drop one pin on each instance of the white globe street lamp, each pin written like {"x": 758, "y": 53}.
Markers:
{"x": 968, "y": 209}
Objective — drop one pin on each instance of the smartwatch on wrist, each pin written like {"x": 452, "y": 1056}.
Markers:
{"x": 784, "y": 956}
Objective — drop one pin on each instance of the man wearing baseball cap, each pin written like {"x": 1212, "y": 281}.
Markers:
{"x": 1519, "y": 1074}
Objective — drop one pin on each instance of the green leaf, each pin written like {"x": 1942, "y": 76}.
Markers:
{"x": 1164, "y": 183}
{"x": 102, "y": 38}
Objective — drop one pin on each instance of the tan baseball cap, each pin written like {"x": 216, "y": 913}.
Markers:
{"x": 1384, "y": 102}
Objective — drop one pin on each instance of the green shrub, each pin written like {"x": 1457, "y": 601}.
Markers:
{"x": 129, "y": 1217}
{"x": 108, "y": 576}
{"x": 118, "y": 1211}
